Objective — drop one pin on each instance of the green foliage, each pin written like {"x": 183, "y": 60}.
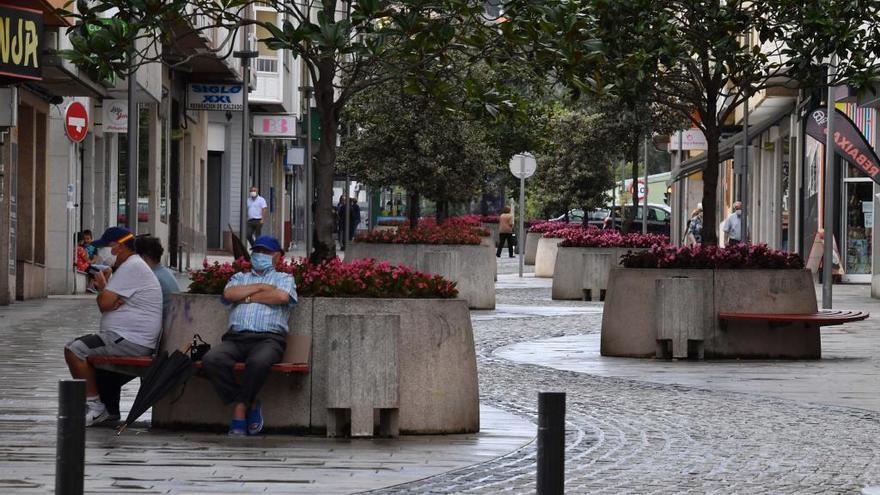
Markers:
{"x": 409, "y": 141}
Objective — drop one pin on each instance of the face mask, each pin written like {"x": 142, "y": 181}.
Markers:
{"x": 253, "y": 194}
{"x": 261, "y": 262}
{"x": 107, "y": 256}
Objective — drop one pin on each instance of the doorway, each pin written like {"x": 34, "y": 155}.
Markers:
{"x": 858, "y": 220}
{"x": 214, "y": 185}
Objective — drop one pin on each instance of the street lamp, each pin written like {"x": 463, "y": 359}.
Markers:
{"x": 245, "y": 56}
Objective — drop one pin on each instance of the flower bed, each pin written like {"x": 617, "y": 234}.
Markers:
{"x": 359, "y": 278}
{"x": 489, "y": 219}
{"x": 740, "y": 256}
{"x": 447, "y": 233}
{"x": 609, "y": 239}
{"x": 392, "y": 223}
{"x": 542, "y": 227}
{"x": 462, "y": 221}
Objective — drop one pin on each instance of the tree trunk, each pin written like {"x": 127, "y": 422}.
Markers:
{"x": 413, "y": 209}
{"x": 442, "y": 211}
{"x": 629, "y": 216}
{"x": 710, "y": 187}
{"x": 324, "y": 246}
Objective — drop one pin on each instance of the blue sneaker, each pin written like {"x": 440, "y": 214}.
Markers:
{"x": 238, "y": 428}
{"x": 255, "y": 419}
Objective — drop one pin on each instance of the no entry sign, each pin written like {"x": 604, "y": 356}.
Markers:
{"x": 76, "y": 122}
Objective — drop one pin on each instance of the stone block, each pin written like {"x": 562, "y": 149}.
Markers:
{"x": 363, "y": 370}
{"x": 531, "y": 247}
{"x": 545, "y": 256}
{"x": 684, "y": 314}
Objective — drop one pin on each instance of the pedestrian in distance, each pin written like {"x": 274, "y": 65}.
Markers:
{"x": 131, "y": 316}
{"x": 354, "y": 217}
{"x": 505, "y": 232}
{"x": 694, "y": 232}
{"x": 261, "y": 301}
{"x": 340, "y": 220}
{"x": 732, "y": 226}
{"x": 258, "y": 212}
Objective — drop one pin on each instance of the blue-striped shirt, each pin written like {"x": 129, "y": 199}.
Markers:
{"x": 258, "y": 317}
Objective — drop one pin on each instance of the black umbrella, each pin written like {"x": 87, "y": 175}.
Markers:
{"x": 166, "y": 372}
{"x": 238, "y": 249}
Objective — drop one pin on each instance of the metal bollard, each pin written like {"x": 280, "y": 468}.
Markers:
{"x": 71, "y": 449}
{"x": 551, "y": 443}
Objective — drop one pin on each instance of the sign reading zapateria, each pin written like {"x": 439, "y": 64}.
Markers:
{"x": 21, "y": 35}
{"x": 848, "y": 140}
{"x": 214, "y": 97}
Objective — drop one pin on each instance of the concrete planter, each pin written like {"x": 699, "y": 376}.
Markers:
{"x": 579, "y": 271}
{"x": 531, "y": 247}
{"x": 472, "y": 267}
{"x": 545, "y": 256}
{"x": 426, "y": 365}
{"x": 630, "y": 314}
{"x": 490, "y": 245}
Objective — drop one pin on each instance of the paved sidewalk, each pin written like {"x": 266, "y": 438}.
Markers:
{"x": 145, "y": 461}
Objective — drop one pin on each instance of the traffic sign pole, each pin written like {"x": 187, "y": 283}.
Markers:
{"x": 522, "y": 211}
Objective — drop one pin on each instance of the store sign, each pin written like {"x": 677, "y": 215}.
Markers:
{"x": 115, "y": 116}
{"x": 691, "y": 139}
{"x": 275, "y": 126}
{"x": 21, "y": 37}
{"x": 848, "y": 140}
{"x": 214, "y": 97}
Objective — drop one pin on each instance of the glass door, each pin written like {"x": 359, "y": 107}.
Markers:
{"x": 857, "y": 223}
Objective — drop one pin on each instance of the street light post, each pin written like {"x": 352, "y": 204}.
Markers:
{"x": 827, "y": 192}
{"x": 131, "y": 175}
{"x": 245, "y": 55}
{"x": 522, "y": 166}
{"x": 307, "y": 92}
{"x": 645, "y": 212}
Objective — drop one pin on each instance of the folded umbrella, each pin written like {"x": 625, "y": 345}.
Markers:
{"x": 238, "y": 249}
{"x": 166, "y": 372}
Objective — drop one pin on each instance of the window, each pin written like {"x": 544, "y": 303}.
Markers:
{"x": 658, "y": 215}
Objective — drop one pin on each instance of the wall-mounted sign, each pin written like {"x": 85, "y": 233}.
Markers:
{"x": 214, "y": 97}
{"x": 275, "y": 126}
{"x": 115, "y": 116}
{"x": 691, "y": 139}
{"x": 21, "y": 38}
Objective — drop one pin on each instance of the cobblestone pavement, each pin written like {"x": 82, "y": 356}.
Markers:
{"x": 628, "y": 436}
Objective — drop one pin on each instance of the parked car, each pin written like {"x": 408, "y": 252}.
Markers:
{"x": 576, "y": 216}
{"x": 659, "y": 217}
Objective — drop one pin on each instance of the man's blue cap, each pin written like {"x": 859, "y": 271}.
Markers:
{"x": 114, "y": 234}
{"x": 268, "y": 243}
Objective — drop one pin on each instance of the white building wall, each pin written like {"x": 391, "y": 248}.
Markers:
{"x": 62, "y": 220}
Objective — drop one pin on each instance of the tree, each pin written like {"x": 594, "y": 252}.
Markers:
{"x": 574, "y": 169}
{"x": 410, "y": 141}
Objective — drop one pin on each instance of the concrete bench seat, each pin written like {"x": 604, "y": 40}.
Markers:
{"x": 138, "y": 365}
{"x": 820, "y": 318}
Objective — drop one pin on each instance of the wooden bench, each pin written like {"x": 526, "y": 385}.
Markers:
{"x": 818, "y": 319}
{"x": 137, "y": 366}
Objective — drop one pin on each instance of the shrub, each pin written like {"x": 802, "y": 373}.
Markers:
{"x": 569, "y": 229}
{"x": 424, "y": 234}
{"x": 609, "y": 239}
{"x": 361, "y": 278}
{"x": 392, "y": 223}
{"x": 544, "y": 226}
{"x": 490, "y": 219}
{"x": 740, "y": 256}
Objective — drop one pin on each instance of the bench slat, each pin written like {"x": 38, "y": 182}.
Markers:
{"x": 146, "y": 361}
{"x": 821, "y": 318}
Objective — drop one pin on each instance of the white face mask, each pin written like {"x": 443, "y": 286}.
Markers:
{"x": 253, "y": 194}
{"x": 107, "y": 256}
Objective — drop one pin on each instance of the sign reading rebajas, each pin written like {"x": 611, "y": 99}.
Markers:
{"x": 21, "y": 36}
{"x": 203, "y": 96}
{"x": 848, "y": 140}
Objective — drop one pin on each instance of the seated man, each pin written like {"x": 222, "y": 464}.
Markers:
{"x": 131, "y": 316}
{"x": 257, "y": 334}
{"x": 150, "y": 250}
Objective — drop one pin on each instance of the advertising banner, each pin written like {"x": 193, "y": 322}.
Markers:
{"x": 848, "y": 140}
{"x": 203, "y": 96}
{"x": 21, "y": 38}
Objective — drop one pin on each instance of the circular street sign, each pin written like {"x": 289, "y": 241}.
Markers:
{"x": 76, "y": 122}
{"x": 643, "y": 189}
{"x": 523, "y": 165}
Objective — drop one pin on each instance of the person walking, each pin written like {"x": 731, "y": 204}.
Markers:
{"x": 257, "y": 210}
{"x": 262, "y": 299}
{"x": 131, "y": 316}
{"x": 505, "y": 232}
{"x": 354, "y": 218}
{"x": 732, "y": 226}
{"x": 694, "y": 235}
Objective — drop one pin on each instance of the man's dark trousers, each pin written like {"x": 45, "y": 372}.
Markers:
{"x": 258, "y": 350}
{"x": 254, "y": 229}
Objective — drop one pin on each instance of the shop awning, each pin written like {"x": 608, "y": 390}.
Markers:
{"x": 725, "y": 148}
